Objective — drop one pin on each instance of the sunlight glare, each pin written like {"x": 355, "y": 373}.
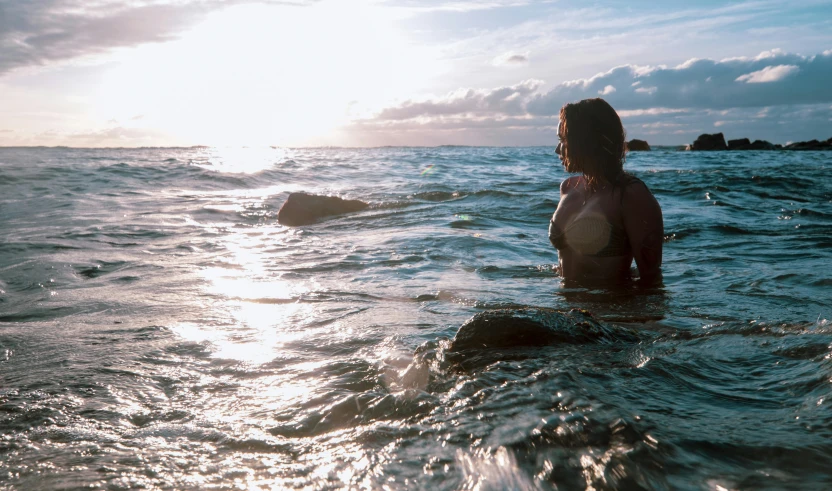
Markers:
{"x": 266, "y": 74}
{"x": 243, "y": 160}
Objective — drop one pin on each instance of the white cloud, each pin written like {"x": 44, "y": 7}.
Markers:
{"x": 799, "y": 80}
{"x": 502, "y": 100}
{"x": 653, "y": 111}
{"x": 769, "y": 74}
{"x": 412, "y": 8}
{"x": 41, "y": 32}
{"x": 630, "y": 88}
{"x": 668, "y": 88}
{"x": 651, "y": 101}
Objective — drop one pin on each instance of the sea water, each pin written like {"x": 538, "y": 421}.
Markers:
{"x": 160, "y": 329}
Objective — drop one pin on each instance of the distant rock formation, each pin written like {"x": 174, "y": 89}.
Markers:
{"x": 717, "y": 142}
{"x": 638, "y": 146}
{"x": 739, "y": 144}
{"x": 512, "y": 328}
{"x": 710, "y": 142}
{"x": 745, "y": 144}
{"x": 810, "y": 145}
{"x": 763, "y": 145}
{"x": 305, "y": 209}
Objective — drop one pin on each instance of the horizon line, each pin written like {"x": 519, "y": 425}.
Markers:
{"x": 298, "y": 147}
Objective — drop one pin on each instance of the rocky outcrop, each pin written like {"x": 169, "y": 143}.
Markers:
{"x": 710, "y": 142}
{"x": 638, "y": 146}
{"x": 763, "y": 145}
{"x": 512, "y": 328}
{"x": 305, "y": 209}
{"x": 717, "y": 142}
{"x": 740, "y": 144}
{"x": 810, "y": 145}
{"x": 745, "y": 144}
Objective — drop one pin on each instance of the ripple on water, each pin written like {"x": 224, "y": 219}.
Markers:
{"x": 158, "y": 329}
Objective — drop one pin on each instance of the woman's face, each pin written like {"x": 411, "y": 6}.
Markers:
{"x": 561, "y": 148}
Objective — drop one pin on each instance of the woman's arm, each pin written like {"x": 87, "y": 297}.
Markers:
{"x": 645, "y": 229}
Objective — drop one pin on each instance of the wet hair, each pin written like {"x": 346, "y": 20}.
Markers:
{"x": 592, "y": 140}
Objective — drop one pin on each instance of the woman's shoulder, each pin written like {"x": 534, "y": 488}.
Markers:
{"x": 626, "y": 179}
{"x": 632, "y": 184}
{"x": 636, "y": 194}
{"x": 570, "y": 183}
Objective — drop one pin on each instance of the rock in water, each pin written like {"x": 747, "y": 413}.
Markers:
{"x": 745, "y": 144}
{"x": 762, "y": 145}
{"x": 305, "y": 209}
{"x": 513, "y": 328}
{"x": 710, "y": 142}
{"x": 638, "y": 146}
{"x": 740, "y": 144}
{"x": 810, "y": 145}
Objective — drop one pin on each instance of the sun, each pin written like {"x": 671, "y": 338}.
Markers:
{"x": 266, "y": 74}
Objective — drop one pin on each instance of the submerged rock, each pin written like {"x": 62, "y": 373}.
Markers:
{"x": 706, "y": 141}
{"x": 638, "y": 146}
{"x": 305, "y": 209}
{"x": 513, "y": 328}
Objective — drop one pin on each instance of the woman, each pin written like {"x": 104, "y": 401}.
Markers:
{"x": 605, "y": 217}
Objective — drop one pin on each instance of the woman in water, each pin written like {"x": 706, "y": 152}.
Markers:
{"x": 605, "y": 217}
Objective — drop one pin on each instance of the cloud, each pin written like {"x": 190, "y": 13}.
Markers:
{"x": 116, "y": 136}
{"x": 503, "y": 100}
{"x": 695, "y": 84}
{"x": 34, "y": 33}
{"x": 6, "y": 131}
{"x": 769, "y": 74}
{"x": 703, "y": 83}
{"x": 511, "y": 58}
{"x": 422, "y": 6}
{"x": 108, "y": 136}
{"x": 694, "y": 96}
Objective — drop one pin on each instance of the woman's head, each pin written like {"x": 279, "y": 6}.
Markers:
{"x": 592, "y": 140}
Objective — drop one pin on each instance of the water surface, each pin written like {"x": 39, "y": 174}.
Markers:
{"x": 159, "y": 328}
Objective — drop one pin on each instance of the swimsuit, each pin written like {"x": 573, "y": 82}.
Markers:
{"x": 591, "y": 235}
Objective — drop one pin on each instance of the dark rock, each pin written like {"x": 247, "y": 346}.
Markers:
{"x": 803, "y": 145}
{"x": 304, "y": 209}
{"x": 638, "y": 146}
{"x": 513, "y": 328}
{"x": 762, "y": 145}
{"x": 739, "y": 144}
{"x": 745, "y": 144}
{"x": 710, "y": 142}
{"x": 810, "y": 145}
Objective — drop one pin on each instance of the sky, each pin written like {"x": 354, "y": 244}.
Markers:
{"x": 129, "y": 73}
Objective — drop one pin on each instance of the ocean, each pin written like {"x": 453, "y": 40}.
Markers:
{"x": 160, "y": 329}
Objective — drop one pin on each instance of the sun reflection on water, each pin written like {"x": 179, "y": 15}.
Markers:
{"x": 242, "y": 160}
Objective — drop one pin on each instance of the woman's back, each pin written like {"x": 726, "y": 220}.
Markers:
{"x": 605, "y": 217}
{"x": 599, "y": 232}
